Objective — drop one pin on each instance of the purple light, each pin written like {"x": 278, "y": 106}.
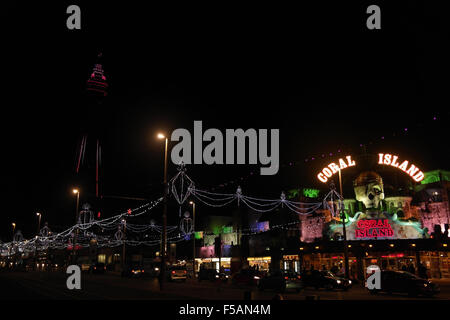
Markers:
{"x": 339, "y": 150}
{"x": 382, "y": 138}
{"x": 323, "y": 155}
{"x": 331, "y": 154}
{"x": 360, "y": 145}
{"x": 434, "y": 118}
{"x": 406, "y": 129}
{"x": 290, "y": 163}
{"x": 312, "y": 158}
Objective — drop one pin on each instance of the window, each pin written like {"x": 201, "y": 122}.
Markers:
{"x": 101, "y": 258}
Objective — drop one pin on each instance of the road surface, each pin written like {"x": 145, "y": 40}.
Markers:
{"x": 43, "y": 285}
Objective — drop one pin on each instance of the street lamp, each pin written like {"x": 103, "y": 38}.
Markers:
{"x": 344, "y": 231}
{"x": 193, "y": 237}
{"x": 39, "y": 223}
{"x": 77, "y": 192}
{"x": 164, "y": 231}
{"x": 14, "y": 228}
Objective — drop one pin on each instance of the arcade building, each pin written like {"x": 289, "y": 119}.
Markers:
{"x": 396, "y": 217}
{"x": 396, "y": 220}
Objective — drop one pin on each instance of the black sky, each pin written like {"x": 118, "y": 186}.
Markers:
{"x": 313, "y": 71}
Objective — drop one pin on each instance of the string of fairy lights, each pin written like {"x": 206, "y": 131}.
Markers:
{"x": 85, "y": 234}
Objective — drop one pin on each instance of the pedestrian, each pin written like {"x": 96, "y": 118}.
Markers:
{"x": 334, "y": 269}
{"x": 411, "y": 269}
{"x": 423, "y": 271}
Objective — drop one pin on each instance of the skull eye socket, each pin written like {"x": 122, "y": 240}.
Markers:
{"x": 377, "y": 190}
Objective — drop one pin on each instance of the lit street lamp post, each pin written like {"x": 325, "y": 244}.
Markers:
{"x": 77, "y": 192}
{"x": 13, "y": 228}
{"x": 193, "y": 238}
{"x": 35, "y": 246}
{"x": 123, "y": 244}
{"x": 39, "y": 223}
{"x": 341, "y": 210}
{"x": 164, "y": 231}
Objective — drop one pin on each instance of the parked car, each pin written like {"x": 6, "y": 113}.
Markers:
{"x": 324, "y": 279}
{"x": 212, "y": 275}
{"x": 405, "y": 282}
{"x": 133, "y": 271}
{"x": 177, "y": 273}
{"x": 247, "y": 277}
{"x": 98, "y": 268}
{"x": 280, "y": 281}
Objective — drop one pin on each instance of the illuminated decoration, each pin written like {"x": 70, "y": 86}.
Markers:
{"x": 393, "y": 160}
{"x": 383, "y": 159}
{"x": 311, "y": 193}
{"x": 396, "y": 255}
{"x": 401, "y": 229}
{"x": 181, "y": 186}
{"x": 199, "y": 235}
{"x": 260, "y": 226}
{"x": 292, "y": 193}
{"x": 333, "y": 168}
{"x": 376, "y": 221}
{"x": 227, "y": 229}
{"x": 436, "y": 176}
{"x": 368, "y": 187}
{"x": 206, "y": 252}
{"x": 374, "y": 228}
{"x": 186, "y": 225}
{"x": 96, "y": 84}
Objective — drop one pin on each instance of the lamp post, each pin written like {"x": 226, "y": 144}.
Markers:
{"x": 193, "y": 238}
{"x": 341, "y": 210}
{"x": 13, "y": 228}
{"x": 37, "y": 235}
{"x": 164, "y": 231}
{"x": 39, "y": 223}
{"x": 77, "y": 192}
{"x": 123, "y": 245}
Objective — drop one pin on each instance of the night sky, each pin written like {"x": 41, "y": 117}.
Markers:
{"x": 314, "y": 72}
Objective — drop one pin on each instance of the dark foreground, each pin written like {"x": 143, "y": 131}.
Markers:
{"x": 42, "y": 286}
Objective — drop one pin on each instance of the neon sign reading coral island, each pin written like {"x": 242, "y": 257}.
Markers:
{"x": 413, "y": 171}
{"x": 374, "y": 228}
{"x": 383, "y": 159}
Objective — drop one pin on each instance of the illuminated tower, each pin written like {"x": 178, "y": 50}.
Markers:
{"x": 96, "y": 85}
{"x": 91, "y": 132}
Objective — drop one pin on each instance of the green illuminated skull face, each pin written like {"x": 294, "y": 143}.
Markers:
{"x": 369, "y": 189}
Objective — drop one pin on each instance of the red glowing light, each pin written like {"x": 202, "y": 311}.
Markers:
{"x": 129, "y": 211}
{"x": 374, "y": 228}
{"x": 398, "y": 255}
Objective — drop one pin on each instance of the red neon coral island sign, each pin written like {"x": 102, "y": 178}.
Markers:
{"x": 374, "y": 228}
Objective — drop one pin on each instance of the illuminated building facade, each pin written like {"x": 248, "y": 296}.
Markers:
{"x": 395, "y": 230}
